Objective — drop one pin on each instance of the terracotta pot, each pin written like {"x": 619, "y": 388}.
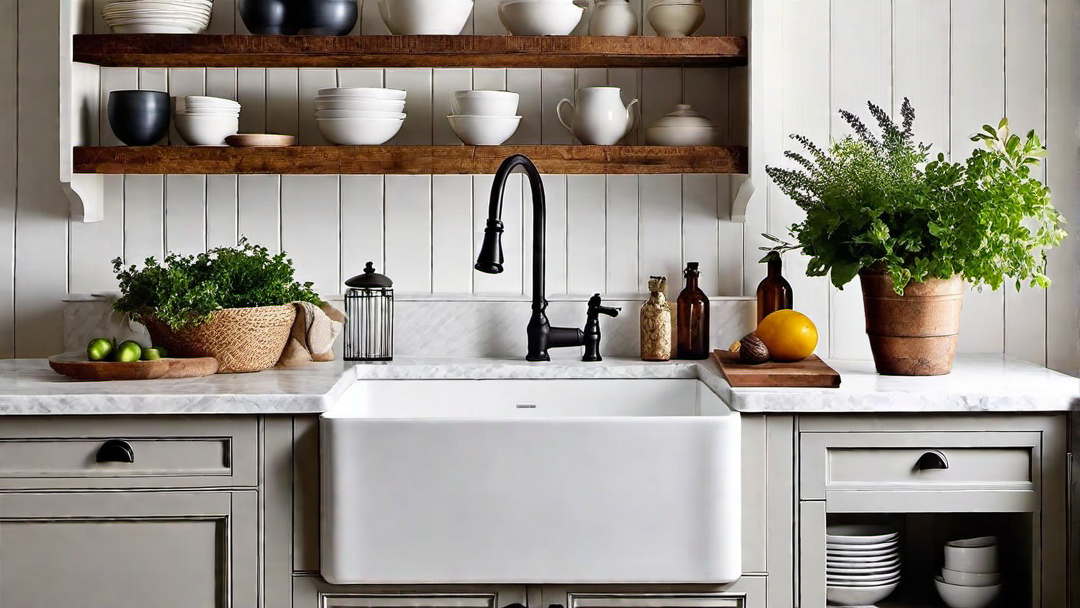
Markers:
{"x": 914, "y": 334}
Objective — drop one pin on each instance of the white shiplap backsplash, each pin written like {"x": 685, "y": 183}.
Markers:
{"x": 963, "y": 62}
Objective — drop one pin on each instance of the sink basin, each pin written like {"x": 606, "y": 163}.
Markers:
{"x": 530, "y": 481}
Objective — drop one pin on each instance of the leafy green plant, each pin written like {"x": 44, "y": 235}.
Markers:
{"x": 879, "y": 202}
{"x": 186, "y": 290}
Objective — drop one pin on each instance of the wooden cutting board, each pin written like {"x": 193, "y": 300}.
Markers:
{"x": 76, "y": 365}
{"x": 808, "y": 373}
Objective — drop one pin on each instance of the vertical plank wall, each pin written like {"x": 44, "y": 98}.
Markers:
{"x": 963, "y": 62}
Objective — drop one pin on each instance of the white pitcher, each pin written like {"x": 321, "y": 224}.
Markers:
{"x": 599, "y": 117}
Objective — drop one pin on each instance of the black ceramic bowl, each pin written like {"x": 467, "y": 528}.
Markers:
{"x": 270, "y": 16}
{"x": 326, "y": 17}
{"x": 139, "y": 118}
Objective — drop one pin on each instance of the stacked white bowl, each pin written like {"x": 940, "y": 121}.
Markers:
{"x": 970, "y": 578}
{"x": 484, "y": 118}
{"x": 158, "y": 16}
{"x": 359, "y": 116}
{"x": 862, "y": 564}
{"x": 206, "y": 121}
{"x": 540, "y": 17}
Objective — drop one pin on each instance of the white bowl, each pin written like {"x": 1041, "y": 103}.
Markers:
{"x": 359, "y": 131}
{"x": 336, "y": 93}
{"x": 361, "y": 105}
{"x": 860, "y": 535}
{"x": 540, "y": 17}
{"x": 970, "y": 579}
{"x": 979, "y": 555}
{"x": 676, "y": 20}
{"x": 858, "y": 596}
{"x": 484, "y": 103}
{"x": 959, "y": 596}
{"x": 357, "y": 114}
{"x": 206, "y": 130}
{"x": 425, "y": 17}
{"x": 681, "y": 136}
{"x": 484, "y": 130}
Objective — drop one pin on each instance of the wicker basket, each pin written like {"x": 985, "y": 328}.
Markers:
{"x": 241, "y": 339}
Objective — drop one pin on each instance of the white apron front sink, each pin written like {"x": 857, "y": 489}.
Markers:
{"x": 530, "y": 481}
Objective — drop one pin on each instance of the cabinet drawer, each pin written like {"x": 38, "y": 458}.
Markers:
{"x": 165, "y": 452}
{"x": 868, "y": 461}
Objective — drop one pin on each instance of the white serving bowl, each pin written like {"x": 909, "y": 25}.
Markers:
{"x": 357, "y": 114}
{"x": 859, "y": 534}
{"x": 858, "y": 596}
{"x": 680, "y": 136}
{"x": 484, "y": 130}
{"x": 336, "y": 93}
{"x": 206, "y": 130}
{"x": 540, "y": 17}
{"x": 676, "y": 19}
{"x": 978, "y": 555}
{"x": 970, "y": 579}
{"x": 359, "y": 131}
{"x": 360, "y": 105}
{"x": 959, "y": 596}
{"x": 484, "y": 103}
{"x": 425, "y": 17}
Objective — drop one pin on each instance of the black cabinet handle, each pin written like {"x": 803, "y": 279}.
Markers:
{"x": 115, "y": 450}
{"x": 515, "y": 605}
{"x": 932, "y": 460}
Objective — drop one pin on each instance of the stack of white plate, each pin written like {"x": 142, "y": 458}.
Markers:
{"x": 158, "y": 16}
{"x": 206, "y": 121}
{"x": 484, "y": 118}
{"x": 359, "y": 116}
{"x": 862, "y": 564}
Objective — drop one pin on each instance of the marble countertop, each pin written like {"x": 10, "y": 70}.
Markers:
{"x": 978, "y": 383}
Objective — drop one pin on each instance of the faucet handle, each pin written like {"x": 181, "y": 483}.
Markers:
{"x": 596, "y": 307}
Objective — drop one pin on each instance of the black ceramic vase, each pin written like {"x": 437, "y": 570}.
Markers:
{"x": 327, "y": 17}
{"x": 139, "y": 118}
{"x": 270, "y": 16}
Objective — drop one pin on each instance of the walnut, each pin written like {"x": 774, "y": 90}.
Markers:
{"x": 752, "y": 350}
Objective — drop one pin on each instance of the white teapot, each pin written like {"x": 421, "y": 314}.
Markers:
{"x": 598, "y": 116}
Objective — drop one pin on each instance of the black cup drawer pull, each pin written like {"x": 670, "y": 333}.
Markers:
{"x": 932, "y": 460}
{"x": 115, "y": 450}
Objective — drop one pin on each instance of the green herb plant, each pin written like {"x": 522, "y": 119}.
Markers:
{"x": 878, "y": 201}
{"x": 184, "y": 291}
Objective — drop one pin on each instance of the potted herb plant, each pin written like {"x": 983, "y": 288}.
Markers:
{"x": 916, "y": 229}
{"x": 231, "y": 303}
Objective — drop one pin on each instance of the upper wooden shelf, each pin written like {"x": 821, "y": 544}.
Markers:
{"x": 237, "y": 51}
{"x": 406, "y": 160}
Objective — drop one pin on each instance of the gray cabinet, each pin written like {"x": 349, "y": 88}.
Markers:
{"x": 129, "y": 549}
{"x": 747, "y": 592}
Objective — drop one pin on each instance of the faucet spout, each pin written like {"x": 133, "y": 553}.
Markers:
{"x": 490, "y": 259}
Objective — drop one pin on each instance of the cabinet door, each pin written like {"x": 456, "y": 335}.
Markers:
{"x": 747, "y": 592}
{"x": 129, "y": 549}
{"x": 313, "y": 592}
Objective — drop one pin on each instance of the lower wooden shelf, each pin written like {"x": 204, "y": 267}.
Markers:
{"x": 406, "y": 160}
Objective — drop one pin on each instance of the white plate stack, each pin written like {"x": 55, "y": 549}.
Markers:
{"x": 158, "y": 16}
{"x": 970, "y": 578}
{"x": 862, "y": 564}
{"x": 359, "y": 116}
{"x": 206, "y": 121}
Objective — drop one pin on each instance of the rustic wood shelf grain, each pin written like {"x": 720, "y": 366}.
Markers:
{"x": 407, "y": 160}
{"x": 182, "y": 50}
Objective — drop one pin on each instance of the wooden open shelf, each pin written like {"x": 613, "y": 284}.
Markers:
{"x": 407, "y": 160}
{"x": 182, "y": 50}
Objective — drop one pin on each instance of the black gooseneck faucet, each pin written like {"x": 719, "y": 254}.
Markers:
{"x": 542, "y": 335}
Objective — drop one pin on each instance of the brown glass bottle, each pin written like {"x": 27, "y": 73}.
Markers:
{"x": 774, "y": 293}
{"x": 693, "y": 317}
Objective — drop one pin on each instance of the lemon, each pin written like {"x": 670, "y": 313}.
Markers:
{"x": 789, "y": 335}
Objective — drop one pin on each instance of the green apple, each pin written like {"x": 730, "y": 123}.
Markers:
{"x": 128, "y": 352}
{"x": 153, "y": 354}
{"x": 99, "y": 349}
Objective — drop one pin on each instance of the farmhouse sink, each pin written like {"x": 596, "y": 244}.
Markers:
{"x": 530, "y": 481}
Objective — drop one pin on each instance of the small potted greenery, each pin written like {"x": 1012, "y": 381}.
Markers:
{"x": 231, "y": 303}
{"x": 915, "y": 229}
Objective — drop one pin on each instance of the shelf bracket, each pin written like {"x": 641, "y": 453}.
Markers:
{"x": 742, "y": 200}
{"x": 79, "y": 93}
